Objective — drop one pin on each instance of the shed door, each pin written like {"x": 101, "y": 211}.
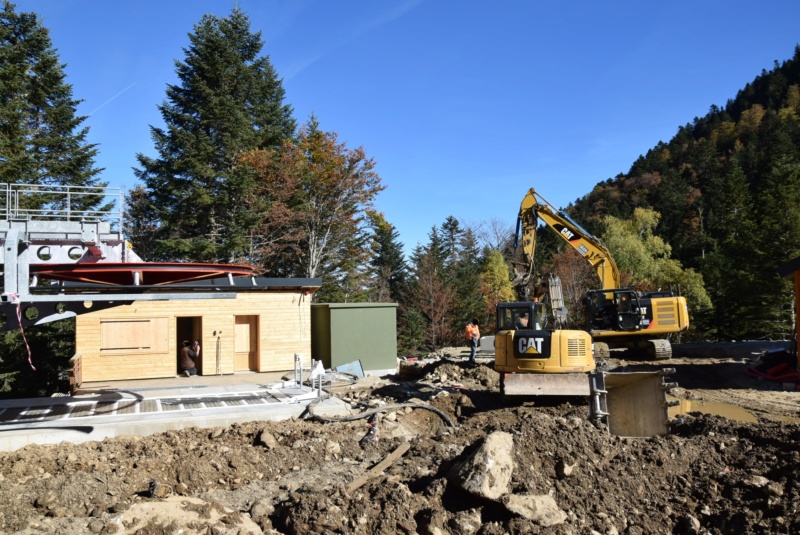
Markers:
{"x": 246, "y": 344}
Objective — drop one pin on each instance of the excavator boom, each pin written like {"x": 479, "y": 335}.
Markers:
{"x": 535, "y": 207}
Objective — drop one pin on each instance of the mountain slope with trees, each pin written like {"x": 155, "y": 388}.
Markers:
{"x": 727, "y": 188}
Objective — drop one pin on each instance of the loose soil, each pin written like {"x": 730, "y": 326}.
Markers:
{"x": 711, "y": 474}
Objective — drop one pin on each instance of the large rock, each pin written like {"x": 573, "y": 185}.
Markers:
{"x": 541, "y": 509}
{"x": 486, "y": 473}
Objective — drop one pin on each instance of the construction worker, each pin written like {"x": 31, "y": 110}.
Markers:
{"x": 473, "y": 334}
{"x": 189, "y": 354}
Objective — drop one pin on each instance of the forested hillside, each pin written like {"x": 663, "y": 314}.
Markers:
{"x": 727, "y": 187}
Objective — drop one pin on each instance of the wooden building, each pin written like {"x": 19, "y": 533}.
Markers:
{"x": 260, "y": 330}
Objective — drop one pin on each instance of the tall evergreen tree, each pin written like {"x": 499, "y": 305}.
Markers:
{"x": 389, "y": 266}
{"x": 451, "y": 233}
{"x": 467, "y": 281}
{"x": 229, "y": 100}
{"x": 41, "y": 137}
{"x": 43, "y": 142}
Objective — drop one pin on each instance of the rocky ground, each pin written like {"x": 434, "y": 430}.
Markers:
{"x": 439, "y": 452}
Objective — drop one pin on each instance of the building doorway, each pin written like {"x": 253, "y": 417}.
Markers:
{"x": 190, "y": 329}
{"x": 245, "y": 344}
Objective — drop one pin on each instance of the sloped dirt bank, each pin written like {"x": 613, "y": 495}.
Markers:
{"x": 710, "y": 475}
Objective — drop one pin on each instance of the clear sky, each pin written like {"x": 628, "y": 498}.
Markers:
{"x": 463, "y": 104}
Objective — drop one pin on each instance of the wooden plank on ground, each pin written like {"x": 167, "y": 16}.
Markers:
{"x": 378, "y": 468}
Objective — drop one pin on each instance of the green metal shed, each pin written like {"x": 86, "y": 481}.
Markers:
{"x": 342, "y": 333}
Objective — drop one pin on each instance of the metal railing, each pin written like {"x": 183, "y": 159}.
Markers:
{"x": 36, "y": 202}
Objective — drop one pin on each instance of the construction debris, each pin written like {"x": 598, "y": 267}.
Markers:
{"x": 529, "y": 467}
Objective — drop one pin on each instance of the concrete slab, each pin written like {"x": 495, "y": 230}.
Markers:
{"x": 107, "y": 413}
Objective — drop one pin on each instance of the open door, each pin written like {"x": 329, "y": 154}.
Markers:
{"x": 190, "y": 329}
{"x": 245, "y": 354}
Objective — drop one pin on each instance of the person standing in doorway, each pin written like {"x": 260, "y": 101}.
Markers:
{"x": 473, "y": 334}
{"x": 189, "y": 354}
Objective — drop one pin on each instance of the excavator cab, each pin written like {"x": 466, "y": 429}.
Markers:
{"x": 614, "y": 310}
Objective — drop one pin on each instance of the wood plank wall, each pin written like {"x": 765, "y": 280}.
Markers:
{"x": 284, "y": 324}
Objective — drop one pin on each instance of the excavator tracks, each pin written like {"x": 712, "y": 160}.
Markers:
{"x": 660, "y": 349}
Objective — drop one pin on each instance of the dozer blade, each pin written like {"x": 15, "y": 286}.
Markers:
{"x": 631, "y": 404}
{"x": 545, "y": 384}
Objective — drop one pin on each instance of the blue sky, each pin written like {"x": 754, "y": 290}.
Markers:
{"x": 464, "y": 105}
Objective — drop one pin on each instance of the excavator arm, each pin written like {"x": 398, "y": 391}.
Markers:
{"x": 535, "y": 207}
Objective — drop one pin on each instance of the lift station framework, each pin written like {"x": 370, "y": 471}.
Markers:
{"x": 64, "y": 254}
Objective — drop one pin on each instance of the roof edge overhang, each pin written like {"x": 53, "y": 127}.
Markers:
{"x": 233, "y": 284}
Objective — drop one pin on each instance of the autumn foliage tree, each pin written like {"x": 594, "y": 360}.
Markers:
{"x": 434, "y": 300}
{"x": 495, "y": 285}
{"x": 577, "y": 278}
{"x": 311, "y": 196}
{"x": 639, "y": 252}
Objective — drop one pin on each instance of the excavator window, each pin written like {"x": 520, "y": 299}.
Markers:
{"x": 524, "y": 316}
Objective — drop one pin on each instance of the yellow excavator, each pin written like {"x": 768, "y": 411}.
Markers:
{"x": 615, "y": 317}
{"x": 536, "y": 356}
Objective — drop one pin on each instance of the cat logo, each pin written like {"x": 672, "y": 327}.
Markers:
{"x": 530, "y": 345}
{"x": 564, "y": 231}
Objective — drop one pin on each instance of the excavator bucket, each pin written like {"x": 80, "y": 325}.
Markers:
{"x": 631, "y": 404}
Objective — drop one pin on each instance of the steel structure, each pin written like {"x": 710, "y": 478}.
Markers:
{"x": 51, "y": 234}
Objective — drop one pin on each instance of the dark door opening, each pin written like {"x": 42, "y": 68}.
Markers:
{"x": 190, "y": 329}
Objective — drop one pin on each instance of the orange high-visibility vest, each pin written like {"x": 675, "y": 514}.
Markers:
{"x": 470, "y": 328}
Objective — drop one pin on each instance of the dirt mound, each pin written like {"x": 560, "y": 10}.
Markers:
{"x": 710, "y": 475}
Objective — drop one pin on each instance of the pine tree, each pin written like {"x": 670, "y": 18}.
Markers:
{"x": 388, "y": 264}
{"x": 467, "y": 281}
{"x": 41, "y": 138}
{"x": 42, "y": 142}
{"x": 229, "y": 101}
